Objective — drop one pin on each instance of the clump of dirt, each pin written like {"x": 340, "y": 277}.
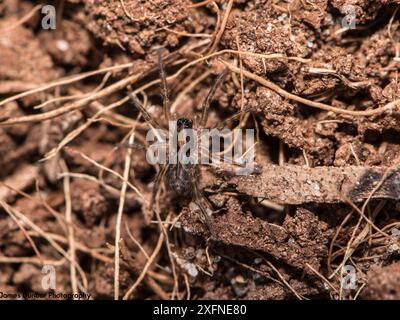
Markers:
{"x": 88, "y": 201}
{"x": 78, "y": 191}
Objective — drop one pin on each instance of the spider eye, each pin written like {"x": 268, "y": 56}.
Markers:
{"x": 184, "y": 123}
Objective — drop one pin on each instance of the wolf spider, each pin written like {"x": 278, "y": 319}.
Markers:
{"x": 181, "y": 179}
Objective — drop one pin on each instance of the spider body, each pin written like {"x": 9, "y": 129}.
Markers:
{"x": 180, "y": 179}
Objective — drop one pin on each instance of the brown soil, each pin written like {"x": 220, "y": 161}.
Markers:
{"x": 326, "y": 186}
